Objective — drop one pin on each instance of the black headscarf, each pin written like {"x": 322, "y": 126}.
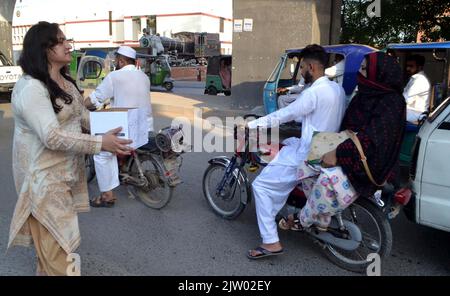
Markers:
{"x": 377, "y": 114}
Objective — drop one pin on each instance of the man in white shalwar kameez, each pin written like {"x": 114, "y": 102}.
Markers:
{"x": 129, "y": 87}
{"x": 417, "y": 91}
{"x": 321, "y": 107}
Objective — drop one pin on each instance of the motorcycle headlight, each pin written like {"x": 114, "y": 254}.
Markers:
{"x": 170, "y": 139}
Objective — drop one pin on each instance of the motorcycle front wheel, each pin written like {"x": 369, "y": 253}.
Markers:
{"x": 157, "y": 193}
{"x": 376, "y": 237}
{"x": 228, "y": 203}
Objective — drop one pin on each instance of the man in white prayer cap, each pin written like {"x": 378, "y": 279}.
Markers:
{"x": 128, "y": 87}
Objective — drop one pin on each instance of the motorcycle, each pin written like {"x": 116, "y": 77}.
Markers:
{"x": 361, "y": 229}
{"x": 152, "y": 170}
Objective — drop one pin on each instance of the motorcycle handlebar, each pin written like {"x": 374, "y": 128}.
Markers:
{"x": 246, "y": 135}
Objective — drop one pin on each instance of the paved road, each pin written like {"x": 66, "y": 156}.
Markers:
{"x": 186, "y": 238}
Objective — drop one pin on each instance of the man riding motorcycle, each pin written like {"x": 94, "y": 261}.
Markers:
{"x": 321, "y": 107}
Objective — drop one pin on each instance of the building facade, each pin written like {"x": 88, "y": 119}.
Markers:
{"x": 111, "y": 23}
{"x": 276, "y": 26}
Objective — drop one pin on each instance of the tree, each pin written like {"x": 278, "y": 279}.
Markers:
{"x": 400, "y": 21}
{"x": 434, "y": 20}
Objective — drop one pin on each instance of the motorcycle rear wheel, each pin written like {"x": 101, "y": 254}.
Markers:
{"x": 376, "y": 239}
{"x": 158, "y": 193}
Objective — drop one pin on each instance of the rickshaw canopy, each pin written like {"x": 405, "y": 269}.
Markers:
{"x": 353, "y": 54}
{"x": 415, "y": 46}
{"x": 214, "y": 64}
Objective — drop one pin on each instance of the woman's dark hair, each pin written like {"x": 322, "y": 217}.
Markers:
{"x": 33, "y": 60}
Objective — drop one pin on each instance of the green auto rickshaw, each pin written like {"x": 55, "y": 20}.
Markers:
{"x": 218, "y": 75}
{"x": 157, "y": 69}
{"x": 89, "y": 67}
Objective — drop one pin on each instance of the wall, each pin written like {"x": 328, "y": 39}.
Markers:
{"x": 189, "y": 73}
{"x": 277, "y": 25}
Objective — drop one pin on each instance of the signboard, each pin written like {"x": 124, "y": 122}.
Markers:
{"x": 237, "y": 25}
{"x": 248, "y": 25}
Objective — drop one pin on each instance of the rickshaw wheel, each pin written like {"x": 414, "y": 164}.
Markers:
{"x": 168, "y": 86}
{"x": 212, "y": 91}
{"x": 227, "y": 93}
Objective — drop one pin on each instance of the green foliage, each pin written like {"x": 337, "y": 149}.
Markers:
{"x": 400, "y": 21}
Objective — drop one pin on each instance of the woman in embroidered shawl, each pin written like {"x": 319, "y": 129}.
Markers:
{"x": 49, "y": 149}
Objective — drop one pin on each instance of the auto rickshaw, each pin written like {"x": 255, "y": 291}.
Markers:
{"x": 157, "y": 69}
{"x": 425, "y": 149}
{"x": 218, "y": 75}
{"x": 91, "y": 66}
{"x": 287, "y": 73}
{"x": 88, "y": 68}
{"x": 437, "y": 55}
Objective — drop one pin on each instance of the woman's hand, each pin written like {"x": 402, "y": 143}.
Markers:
{"x": 113, "y": 144}
{"x": 88, "y": 104}
{"x": 329, "y": 159}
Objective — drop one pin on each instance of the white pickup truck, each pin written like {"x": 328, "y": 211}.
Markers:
{"x": 9, "y": 74}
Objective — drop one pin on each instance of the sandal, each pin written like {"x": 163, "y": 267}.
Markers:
{"x": 321, "y": 228}
{"x": 99, "y": 202}
{"x": 287, "y": 224}
{"x": 263, "y": 253}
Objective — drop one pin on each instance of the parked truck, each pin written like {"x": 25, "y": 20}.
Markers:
{"x": 9, "y": 74}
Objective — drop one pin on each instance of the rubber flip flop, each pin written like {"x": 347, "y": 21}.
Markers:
{"x": 263, "y": 253}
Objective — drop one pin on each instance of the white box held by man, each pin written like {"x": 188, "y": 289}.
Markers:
{"x": 132, "y": 120}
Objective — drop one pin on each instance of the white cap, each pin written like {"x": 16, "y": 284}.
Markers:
{"x": 127, "y": 51}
